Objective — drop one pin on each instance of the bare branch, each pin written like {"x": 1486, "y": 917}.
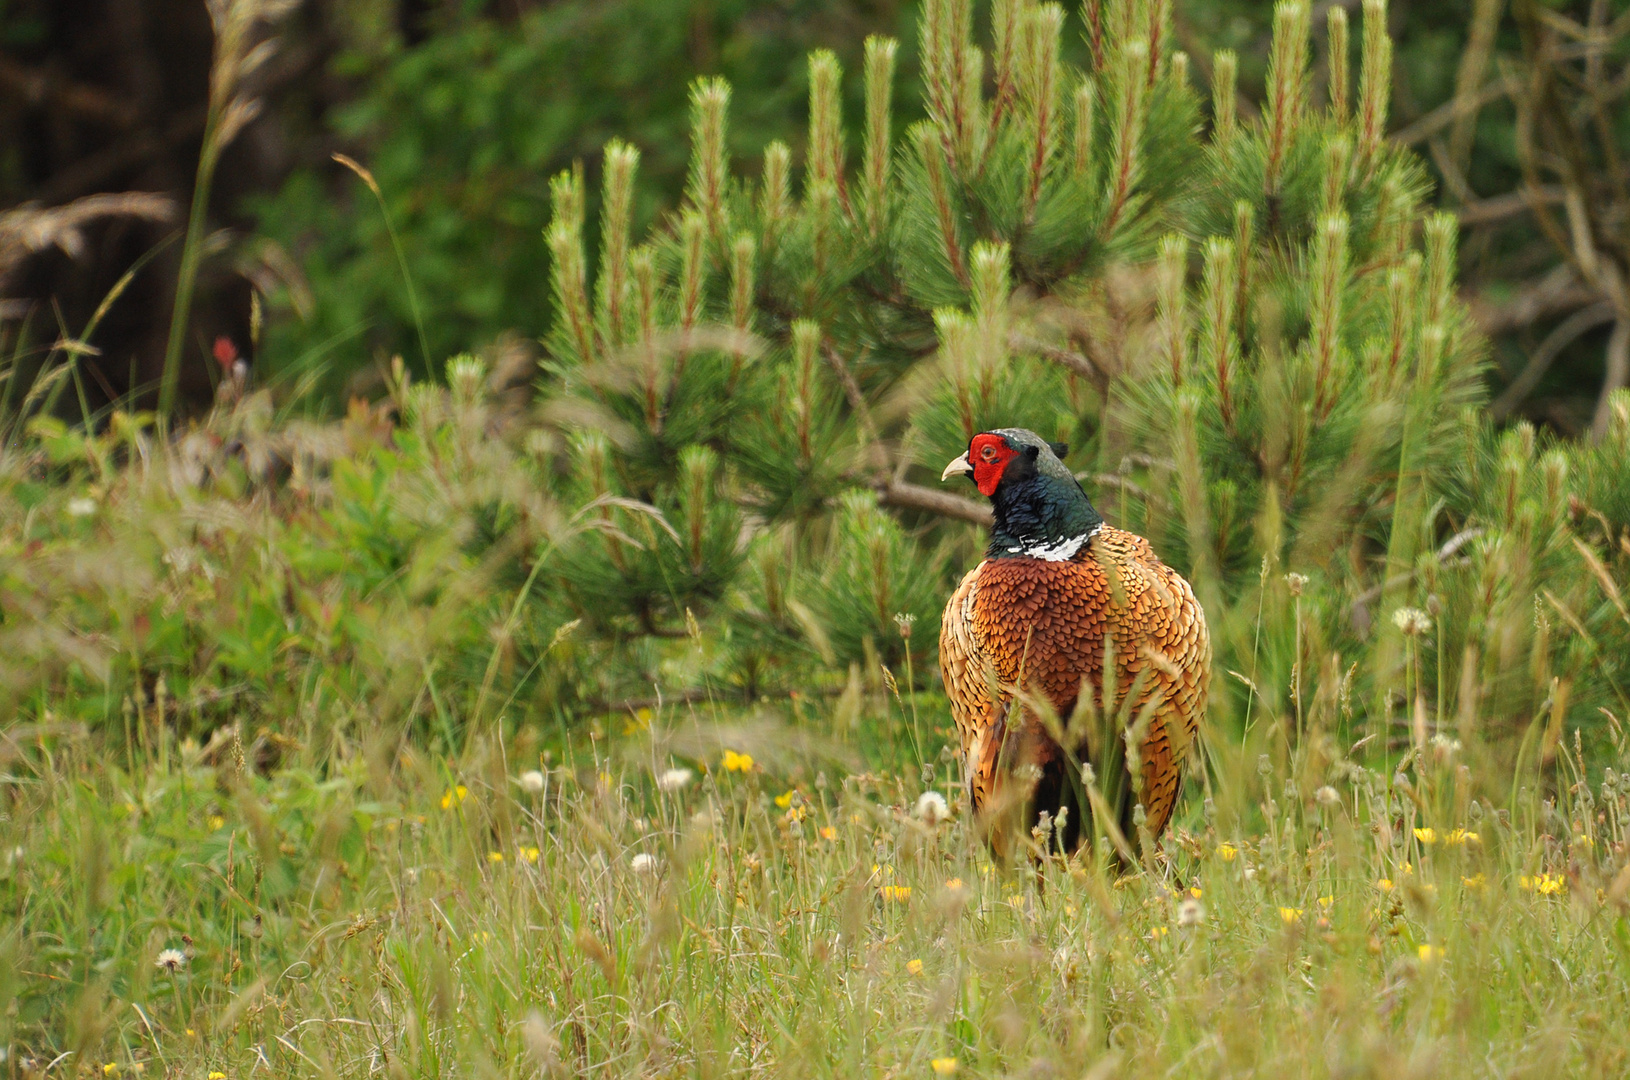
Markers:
{"x": 904, "y": 496}
{"x": 1565, "y": 334}
{"x": 1557, "y": 293}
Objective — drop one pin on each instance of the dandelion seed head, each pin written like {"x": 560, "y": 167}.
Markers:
{"x": 671, "y": 780}
{"x": 171, "y": 960}
{"x": 643, "y": 863}
{"x": 1327, "y": 796}
{"x": 1412, "y": 621}
{"x": 931, "y": 808}
{"x": 532, "y": 782}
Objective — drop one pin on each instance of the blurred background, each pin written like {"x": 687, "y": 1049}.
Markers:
{"x": 462, "y": 110}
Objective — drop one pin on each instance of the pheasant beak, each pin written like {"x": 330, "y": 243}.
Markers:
{"x": 959, "y": 467}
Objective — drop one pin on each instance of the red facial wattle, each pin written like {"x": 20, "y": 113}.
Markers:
{"x": 989, "y": 455}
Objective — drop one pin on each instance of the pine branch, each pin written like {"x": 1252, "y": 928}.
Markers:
{"x": 906, "y": 496}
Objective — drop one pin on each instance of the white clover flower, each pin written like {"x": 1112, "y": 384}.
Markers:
{"x": 171, "y": 960}
{"x": 82, "y": 507}
{"x": 1327, "y": 796}
{"x": 531, "y": 782}
{"x": 1412, "y": 621}
{"x": 674, "y": 779}
{"x": 1445, "y": 745}
{"x": 643, "y": 863}
{"x": 931, "y": 809}
{"x": 1191, "y": 913}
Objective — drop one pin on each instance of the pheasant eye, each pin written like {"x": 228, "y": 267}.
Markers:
{"x": 988, "y": 453}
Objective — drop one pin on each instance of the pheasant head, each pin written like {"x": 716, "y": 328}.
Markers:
{"x": 1040, "y": 508}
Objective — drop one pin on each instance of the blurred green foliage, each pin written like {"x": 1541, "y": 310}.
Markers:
{"x": 463, "y": 131}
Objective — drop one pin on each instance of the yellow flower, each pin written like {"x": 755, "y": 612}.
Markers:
{"x": 945, "y": 1066}
{"x": 191, "y": 1034}
{"x": 215, "y": 821}
{"x": 914, "y": 967}
{"x": 1196, "y": 892}
{"x": 1581, "y": 840}
{"x": 1326, "y": 901}
{"x": 1457, "y": 837}
{"x": 1544, "y": 884}
{"x": 897, "y": 893}
{"x": 828, "y": 833}
{"x": 1426, "y": 836}
{"x": 1384, "y": 884}
{"x": 1290, "y": 915}
{"x": 734, "y": 762}
{"x": 1227, "y": 851}
{"x": 784, "y": 800}
{"x": 1430, "y": 954}
{"x": 213, "y": 1075}
{"x": 495, "y": 856}
{"x": 454, "y": 796}
{"x": 1159, "y": 932}
{"x": 110, "y": 1069}
{"x": 1476, "y": 881}
{"x": 954, "y": 884}
{"x": 529, "y": 854}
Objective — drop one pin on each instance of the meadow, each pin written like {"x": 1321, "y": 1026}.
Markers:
{"x": 570, "y": 707}
{"x": 743, "y": 898}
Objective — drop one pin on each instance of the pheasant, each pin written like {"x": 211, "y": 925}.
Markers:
{"x": 1029, "y": 623}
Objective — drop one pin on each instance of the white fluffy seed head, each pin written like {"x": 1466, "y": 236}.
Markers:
{"x": 1327, "y": 796}
{"x": 673, "y": 779}
{"x": 531, "y": 782}
{"x": 643, "y": 863}
{"x": 931, "y": 808}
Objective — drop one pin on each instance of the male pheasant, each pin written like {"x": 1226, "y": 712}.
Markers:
{"x": 1030, "y": 622}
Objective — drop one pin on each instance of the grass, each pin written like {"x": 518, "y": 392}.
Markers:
{"x": 325, "y": 734}
{"x": 370, "y": 908}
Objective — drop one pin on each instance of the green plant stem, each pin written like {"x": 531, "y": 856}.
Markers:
{"x": 192, "y": 250}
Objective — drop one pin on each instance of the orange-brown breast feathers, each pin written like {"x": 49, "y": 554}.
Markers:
{"x": 1042, "y": 625}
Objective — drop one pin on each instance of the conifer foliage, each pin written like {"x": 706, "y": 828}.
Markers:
{"x": 1246, "y": 327}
